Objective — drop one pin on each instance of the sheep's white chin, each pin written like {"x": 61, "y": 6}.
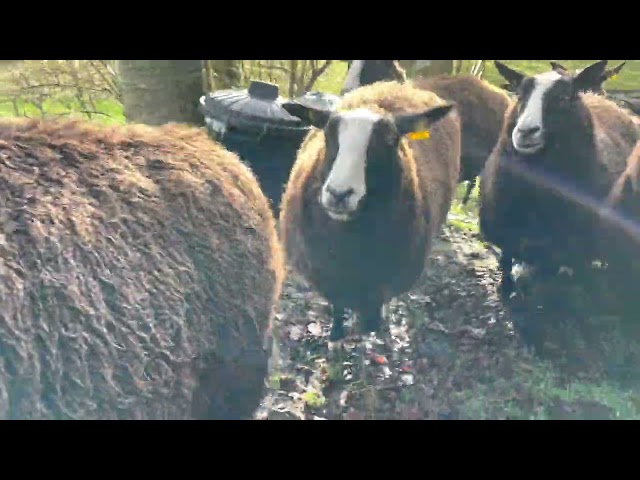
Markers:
{"x": 528, "y": 149}
{"x": 340, "y": 217}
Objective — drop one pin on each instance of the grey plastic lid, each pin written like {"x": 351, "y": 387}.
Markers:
{"x": 257, "y": 108}
{"x": 325, "y": 101}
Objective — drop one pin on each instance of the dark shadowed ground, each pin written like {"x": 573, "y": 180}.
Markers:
{"x": 455, "y": 352}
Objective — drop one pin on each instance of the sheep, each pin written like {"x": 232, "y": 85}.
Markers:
{"x": 366, "y": 72}
{"x": 139, "y": 270}
{"x": 621, "y": 217}
{"x": 363, "y": 202}
{"x": 481, "y": 107}
{"x": 559, "y": 152}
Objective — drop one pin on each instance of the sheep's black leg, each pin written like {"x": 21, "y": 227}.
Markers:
{"x": 337, "y": 325}
{"x": 507, "y": 285}
{"x": 371, "y": 317}
{"x": 470, "y": 186}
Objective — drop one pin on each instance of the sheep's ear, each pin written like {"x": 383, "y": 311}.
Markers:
{"x": 613, "y": 71}
{"x": 589, "y": 76}
{"x": 509, "y": 74}
{"x": 313, "y": 116}
{"x": 559, "y": 68}
{"x": 415, "y": 123}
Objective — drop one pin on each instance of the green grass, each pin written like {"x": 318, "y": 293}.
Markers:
{"x": 331, "y": 81}
{"x": 108, "y": 110}
{"x": 541, "y": 387}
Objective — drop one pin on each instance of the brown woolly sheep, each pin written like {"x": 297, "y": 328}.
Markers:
{"x": 481, "y": 107}
{"x": 559, "y": 153}
{"x": 621, "y": 218}
{"x": 139, "y": 268}
{"x": 363, "y": 203}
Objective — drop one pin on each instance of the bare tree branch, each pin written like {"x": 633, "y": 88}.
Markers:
{"x": 316, "y": 73}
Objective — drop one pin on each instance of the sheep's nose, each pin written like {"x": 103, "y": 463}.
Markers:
{"x": 528, "y": 132}
{"x": 338, "y": 197}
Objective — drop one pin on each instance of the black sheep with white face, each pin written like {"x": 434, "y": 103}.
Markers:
{"x": 559, "y": 153}
{"x": 366, "y": 72}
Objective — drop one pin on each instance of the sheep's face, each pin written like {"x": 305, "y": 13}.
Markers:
{"x": 361, "y": 154}
{"x": 366, "y": 72}
{"x": 545, "y": 102}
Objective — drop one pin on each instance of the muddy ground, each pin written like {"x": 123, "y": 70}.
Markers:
{"x": 454, "y": 351}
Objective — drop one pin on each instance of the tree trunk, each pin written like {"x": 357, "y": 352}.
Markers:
{"x": 227, "y": 73}
{"x": 420, "y": 68}
{"x": 161, "y": 91}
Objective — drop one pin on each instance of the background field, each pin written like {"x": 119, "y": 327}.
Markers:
{"x": 33, "y": 100}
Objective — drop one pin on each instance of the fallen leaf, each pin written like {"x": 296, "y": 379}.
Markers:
{"x": 378, "y": 359}
{"x": 353, "y": 415}
{"x": 406, "y": 367}
{"x": 470, "y": 332}
{"x": 282, "y": 415}
{"x": 314, "y": 329}
{"x": 295, "y": 333}
{"x": 437, "y": 326}
{"x": 407, "y": 378}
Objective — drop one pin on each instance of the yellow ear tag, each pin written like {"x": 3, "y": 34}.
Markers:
{"x": 419, "y": 135}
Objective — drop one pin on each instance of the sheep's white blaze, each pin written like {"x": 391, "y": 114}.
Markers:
{"x": 531, "y": 116}
{"x": 348, "y": 171}
{"x": 353, "y": 76}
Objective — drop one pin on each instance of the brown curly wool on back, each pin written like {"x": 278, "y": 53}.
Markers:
{"x": 139, "y": 268}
